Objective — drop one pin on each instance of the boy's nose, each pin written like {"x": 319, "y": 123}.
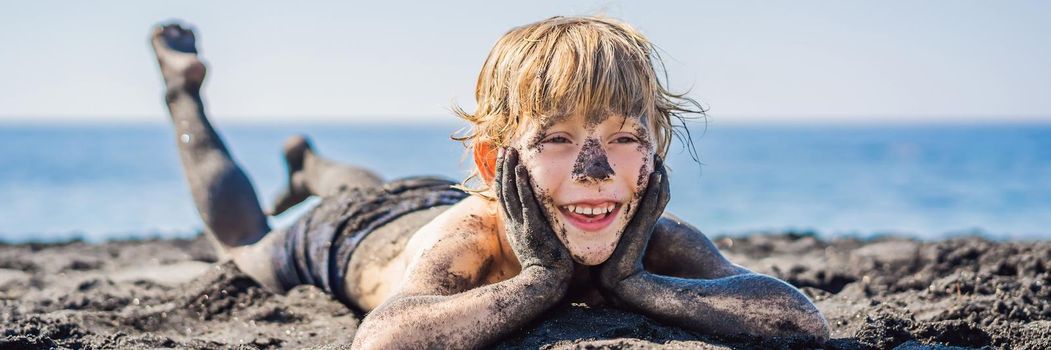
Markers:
{"x": 591, "y": 164}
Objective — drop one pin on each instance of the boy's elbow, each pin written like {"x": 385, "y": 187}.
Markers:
{"x": 377, "y": 337}
{"x": 379, "y": 330}
{"x": 370, "y": 338}
{"x": 813, "y": 325}
{"x": 800, "y": 318}
{"x": 802, "y": 322}
{"x": 808, "y": 320}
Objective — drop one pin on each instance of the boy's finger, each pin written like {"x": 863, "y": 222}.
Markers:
{"x": 499, "y": 167}
{"x": 652, "y": 194}
{"x": 650, "y": 207}
{"x": 512, "y": 199}
{"x": 642, "y": 219}
{"x": 530, "y": 207}
{"x": 500, "y": 181}
{"x": 643, "y": 206}
{"x": 665, "y": 193}
{"x": 509, "y": 195}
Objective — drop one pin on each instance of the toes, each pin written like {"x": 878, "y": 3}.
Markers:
{"x": 180, "y": 39}
{"x": 285, "y": 200}
{"x": 290, "y": 196}
{"x": 157, "y": 39}
{"x": 295, "y": 150}
{"x": 174, "y": 37}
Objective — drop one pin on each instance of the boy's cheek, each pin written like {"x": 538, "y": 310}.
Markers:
{"x": 634, "y": 169}
{"x": 545, "y": 173}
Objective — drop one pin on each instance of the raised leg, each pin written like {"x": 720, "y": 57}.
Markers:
{"x": 312, "y": 175}
{"x": 223, "y": 194}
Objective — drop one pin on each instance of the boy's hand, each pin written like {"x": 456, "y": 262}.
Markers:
{"x": 528, "y": 231}
{"x": 627, "y": 258}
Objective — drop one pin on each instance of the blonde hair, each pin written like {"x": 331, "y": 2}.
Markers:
{"x": 569, "y": 65}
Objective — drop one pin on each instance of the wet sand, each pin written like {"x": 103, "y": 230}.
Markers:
{"x": 882, "y": 293}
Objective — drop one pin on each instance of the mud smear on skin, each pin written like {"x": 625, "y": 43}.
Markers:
{"x": 550, "y": 211}
{"x": 591, "y": 164}
{"x": 558, "y": 225}
{"x": 458, "y": 281}
{"x": 534, "y": 144}
{"x": 645, "y": 147}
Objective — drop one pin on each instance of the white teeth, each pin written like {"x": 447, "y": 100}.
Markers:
{"x": 591, "y": 210}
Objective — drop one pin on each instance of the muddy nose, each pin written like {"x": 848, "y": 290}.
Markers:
{"x": 591, "y": 164}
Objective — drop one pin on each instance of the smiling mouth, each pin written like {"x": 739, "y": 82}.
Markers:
{"x": 589, "y": 217}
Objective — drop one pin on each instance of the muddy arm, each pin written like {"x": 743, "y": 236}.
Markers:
{"x": 711, "y": 293}
{"x": 750, "y": 304}
{"x": 732, "y": 301}
{"x": 678, "y": 249}
{"x": 467, "y": 320}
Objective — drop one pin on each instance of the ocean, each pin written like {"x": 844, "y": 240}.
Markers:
{"x": 99, "y": 182}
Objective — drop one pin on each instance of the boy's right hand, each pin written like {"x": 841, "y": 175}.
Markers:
{"x": 528, "y": 231}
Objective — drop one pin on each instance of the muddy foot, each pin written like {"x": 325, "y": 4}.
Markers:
{"x": 296, "y": 149}
{"x": 175, "y": 47}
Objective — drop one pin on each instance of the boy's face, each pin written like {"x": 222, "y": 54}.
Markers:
{"x": 588, "y": 173}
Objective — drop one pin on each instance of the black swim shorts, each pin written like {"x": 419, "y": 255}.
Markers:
{"x": 316, "y": 249}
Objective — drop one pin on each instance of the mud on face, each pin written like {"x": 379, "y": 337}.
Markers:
{"x": 592, "y": 163}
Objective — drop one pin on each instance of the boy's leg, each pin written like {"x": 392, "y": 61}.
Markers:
{"x": 223, "y": 194}
{"x": 312, "y": 175}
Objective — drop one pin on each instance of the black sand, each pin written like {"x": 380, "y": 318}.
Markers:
{"x": 883, "y": 293}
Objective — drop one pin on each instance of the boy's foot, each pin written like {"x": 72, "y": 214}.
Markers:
{"x": 296, "y": 149}
{"x": 175, "y": 47}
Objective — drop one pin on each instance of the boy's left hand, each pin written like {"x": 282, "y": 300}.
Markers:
{"x": 627, "y": 258}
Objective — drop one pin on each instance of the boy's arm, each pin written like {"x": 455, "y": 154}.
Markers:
{"x": 739, "y": 302}
{"x": 436, "y": 307}
{"x": 678, "y": 249}
{"x": 747, "y": 304}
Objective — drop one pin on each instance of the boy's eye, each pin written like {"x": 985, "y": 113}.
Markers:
{"x": 625, "y": 139}
{"x": 557, "y": 139}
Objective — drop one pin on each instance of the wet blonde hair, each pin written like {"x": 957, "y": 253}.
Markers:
{"x": 564, "y": 66}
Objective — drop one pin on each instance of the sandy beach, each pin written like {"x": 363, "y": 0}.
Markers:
{"x": 882, "y": 293}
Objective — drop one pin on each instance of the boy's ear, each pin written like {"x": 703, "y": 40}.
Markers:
{"x": 485, "y": 160}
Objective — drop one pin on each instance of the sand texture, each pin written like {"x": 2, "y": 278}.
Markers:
{"x": 888, "y": 293}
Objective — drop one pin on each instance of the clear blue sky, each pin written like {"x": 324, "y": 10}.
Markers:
{"x": 400, "y": 61}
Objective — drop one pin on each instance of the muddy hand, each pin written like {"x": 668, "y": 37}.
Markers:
{"x": 627, "y": 258}
{"x": 528, "y": 231}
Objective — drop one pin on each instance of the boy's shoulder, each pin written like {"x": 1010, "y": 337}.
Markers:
{"x": 454, "y": 251}
{"x": 471, "y": 219}
{"x": 671, "y": 224}
{"x": 679, "y": 249}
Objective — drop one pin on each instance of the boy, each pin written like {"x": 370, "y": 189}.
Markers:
{"x": 570, "y": 189}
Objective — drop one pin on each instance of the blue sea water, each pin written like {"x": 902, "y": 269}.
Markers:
{"x": 100, "y": 182}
